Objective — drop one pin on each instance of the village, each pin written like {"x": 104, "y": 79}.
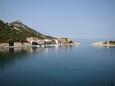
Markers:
{"x": 35, "y": 42}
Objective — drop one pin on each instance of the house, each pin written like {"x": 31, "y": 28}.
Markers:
{"x": 40, "y": 41}
{"x": 55, "y": 41}
{"x": 4, "y": 44}
{"x": 48, "y": 41}
{"x": 17, "y": 44}
{"x": 26, "y": 44}
{"x": 30, "y": 39}
{"x": 64, "y": 40}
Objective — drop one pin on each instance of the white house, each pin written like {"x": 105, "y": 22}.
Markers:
{"x": 47, "y": 41}
{"x": 4, "y": 44}
{"x": 56, "y": 41}
{"x": 17, "y": 44}
{"x": 40, "y": 41}
{"x": 30, "y": 39}
{"x": 26, "y": 44}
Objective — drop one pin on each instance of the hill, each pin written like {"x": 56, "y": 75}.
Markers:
{"x": 17, "y": 31}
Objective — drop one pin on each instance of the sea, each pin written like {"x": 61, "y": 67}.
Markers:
{"x": 78, "y": 65}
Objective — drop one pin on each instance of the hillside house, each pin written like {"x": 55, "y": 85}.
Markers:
{"x": 48, "y": 41}
{"x": 4, "y": 44}
{"x": 17, "y": 44}
{"x": 32, "y": 39}
{"x": 64, "y": 40}
{"x": 26, "y": 44}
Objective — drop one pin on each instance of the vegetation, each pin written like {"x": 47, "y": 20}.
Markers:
{"x": 17, "y": 31}
{"x": 110, "y": 42}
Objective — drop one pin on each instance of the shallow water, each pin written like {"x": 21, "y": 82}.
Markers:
{"x": 58, "y": 66}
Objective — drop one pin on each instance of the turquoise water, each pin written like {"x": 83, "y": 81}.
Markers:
{"x": 58, "y": 66}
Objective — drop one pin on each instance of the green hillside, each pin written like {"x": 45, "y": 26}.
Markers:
{"x": 17, "y": 31}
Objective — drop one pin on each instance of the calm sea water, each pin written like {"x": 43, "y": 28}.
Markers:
{"x": 58, "y": 66}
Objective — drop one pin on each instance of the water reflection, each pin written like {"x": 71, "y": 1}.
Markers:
{"x": 8, "y": 56}
{"x": 74, "y": 66}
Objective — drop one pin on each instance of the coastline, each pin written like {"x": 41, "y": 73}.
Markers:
{"x": 42, "y": 46}
{"x": 102, "y": 44}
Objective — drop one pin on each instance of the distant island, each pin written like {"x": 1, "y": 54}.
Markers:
{"x": 105, "y": 43}
{"x": 17, "y": 34}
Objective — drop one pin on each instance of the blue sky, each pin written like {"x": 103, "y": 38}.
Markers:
{"x": 63, "y": 18}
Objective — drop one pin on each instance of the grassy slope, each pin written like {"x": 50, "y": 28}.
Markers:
{"x": 8, "y": 33}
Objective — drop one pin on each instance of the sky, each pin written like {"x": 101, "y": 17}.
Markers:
{"x": 82, "y": 19}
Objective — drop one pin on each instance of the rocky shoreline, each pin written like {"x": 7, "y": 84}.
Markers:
{"x": 105, "y": 43}
{"x": 35, "y": 42}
